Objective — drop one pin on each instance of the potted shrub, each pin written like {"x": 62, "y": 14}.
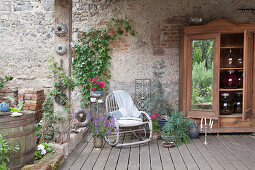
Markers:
{"x": 96, "y": 88}
{"x": 100, "y": 126}
{"x": 176, "y": 128}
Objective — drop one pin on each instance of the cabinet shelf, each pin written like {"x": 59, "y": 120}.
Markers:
{"x": 241, "y": 68}
{"x": 239, "y": 89}
{"x": 236, "y": 46}
{"x": 232, "y": 115}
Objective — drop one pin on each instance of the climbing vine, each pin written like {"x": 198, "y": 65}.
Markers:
{"x": 46, "y": 129}
{"x": 4, "y": 80}
{"x": 92, "y": 57}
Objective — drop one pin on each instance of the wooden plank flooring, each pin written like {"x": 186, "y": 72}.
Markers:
{"x": 230, "y": 152}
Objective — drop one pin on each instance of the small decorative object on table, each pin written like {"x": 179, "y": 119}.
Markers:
{"x": 206, "y": 128}
{"x": 155, "y": 126}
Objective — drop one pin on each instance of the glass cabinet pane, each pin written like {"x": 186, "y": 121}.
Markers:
{"x": 202, "y": 74}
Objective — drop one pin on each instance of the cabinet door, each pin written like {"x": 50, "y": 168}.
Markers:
{"x": 203, "y": 76}
{"x": 248, "y": 75}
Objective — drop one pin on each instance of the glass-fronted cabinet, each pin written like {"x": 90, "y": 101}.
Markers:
{"x": 216, "y": 75}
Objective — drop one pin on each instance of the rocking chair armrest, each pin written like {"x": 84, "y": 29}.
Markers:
{"x": 146, "y": 114}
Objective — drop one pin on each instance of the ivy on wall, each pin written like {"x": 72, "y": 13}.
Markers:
{"x": 92, "y": 57}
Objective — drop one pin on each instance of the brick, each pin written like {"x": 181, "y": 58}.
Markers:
{"x": 30, "y": 105}
{"x": 30, "y": 102}
{"x": 25, "y": 108}
{"x": 28, "y": 96}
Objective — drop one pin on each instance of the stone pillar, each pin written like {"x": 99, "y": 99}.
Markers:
{"x": 63, "y": 37}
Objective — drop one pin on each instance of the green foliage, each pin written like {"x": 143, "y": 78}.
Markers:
{"x": 4, "y": 80}
{"x": 49, "y": 117}
{"x": 202, "y": 80}
{"x": 177, "y": 126}
{"x": 92, "y": 57}
{"x": 42, "y": 150}
{"x": 5, "y": 149}
{"x": 158, "y": 102}
{"x": 155, "y": 126}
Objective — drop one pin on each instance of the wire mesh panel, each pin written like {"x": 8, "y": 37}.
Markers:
{"x": 142, "y": 93}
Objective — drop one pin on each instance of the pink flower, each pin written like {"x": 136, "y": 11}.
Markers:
{"x": 94, "y": 80}
{"x": 89, "y": 80}
{"x": 153, "y": 117}
{"x": 93, "y": 88}
{"x": 156, "y": 115}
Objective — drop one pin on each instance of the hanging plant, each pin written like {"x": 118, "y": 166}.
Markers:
{"x": 92, "y": 57}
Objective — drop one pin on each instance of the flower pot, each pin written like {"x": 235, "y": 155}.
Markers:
{"x": 96, "y": 93}
{"x": 161, "y": 123}
{"x": 93, "y": 99}
{"x": 98, "y": 142}
{"x": 155, "y": 135}
{"x": 193, "y": 131}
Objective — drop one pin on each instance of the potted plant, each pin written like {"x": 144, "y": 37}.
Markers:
{"x": 100, "y": 127}
{"x": 96, "y": 88}
{"x": 155, "y": 126}
{"x": 176, "y": 128}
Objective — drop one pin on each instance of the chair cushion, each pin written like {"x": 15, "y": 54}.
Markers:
{"x": 122, "y": 112}
{"x": 130, "y": 123}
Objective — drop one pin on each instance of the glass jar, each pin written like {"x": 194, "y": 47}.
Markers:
{"x": 238, "y": 102}
{"x": 239, "y": 76}
{"x": 228, "y": 60}
{"x": 239, "y": 59}
{"x": 230, "y": 80}
{"x": 226, "y": 105}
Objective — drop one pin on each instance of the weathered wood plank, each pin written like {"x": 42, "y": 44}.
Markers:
{"x": 250, "y": 141}
{"x": 236, "y": 151}
{"x": 144, "y": 157}
{"x": 177, "y": 159}
{"x": 134, "y": 157}
{"x": 154, "y": 156}
{"x": 227, "y": 153}
{"x": 207, "y": 155}
{"x": 218, "y": 155}
{"x": 245, "y": 144}
{"x": 240, "y": 145}
{"x": 75, "y": 154}
{"x": 188, "y": 159}
{"x": 82, "y": 157}
{"x": 198, "y": 157}
{"x": 166, "y": 159}
{"x": 124, "y": 155}
{"x": 103, "y": 157}
{"x": 90, "y": 162}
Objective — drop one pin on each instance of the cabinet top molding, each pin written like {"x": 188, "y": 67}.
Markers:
{"x": 218, "y": 26}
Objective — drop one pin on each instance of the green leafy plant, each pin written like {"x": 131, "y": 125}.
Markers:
{"x": 49, "y": 117}
{"x": 177, "y": 126}
{"x": 92, "y": 58}
{"x": 4, "y": 80}
{"x": 158, "y": 102}
{"x": 42, "y": 150}
{"x": 5, "y": 149}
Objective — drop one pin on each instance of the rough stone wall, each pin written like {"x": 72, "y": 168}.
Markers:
{"x": 26, "y": 34}
{"x": 27, "y": 37}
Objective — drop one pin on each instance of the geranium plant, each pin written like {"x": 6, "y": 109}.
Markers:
{"x": 95, "y": 84}
{"x": 155, "y": 124}
{"x": 101, "y": 126}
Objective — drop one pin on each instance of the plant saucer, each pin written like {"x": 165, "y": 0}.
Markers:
{"x": 168, "y": 144}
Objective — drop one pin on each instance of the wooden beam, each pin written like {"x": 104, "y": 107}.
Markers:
{"x": 63, "y": 38}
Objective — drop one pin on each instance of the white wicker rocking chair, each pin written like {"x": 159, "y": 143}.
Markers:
{"x": 136, "y": 123}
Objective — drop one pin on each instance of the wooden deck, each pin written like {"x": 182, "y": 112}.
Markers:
{"x": 223, "y": 152}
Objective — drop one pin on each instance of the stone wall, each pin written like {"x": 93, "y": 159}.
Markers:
{"x": 27, "y": 39}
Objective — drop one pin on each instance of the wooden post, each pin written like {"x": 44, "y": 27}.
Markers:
{"x": 63, "y": 38}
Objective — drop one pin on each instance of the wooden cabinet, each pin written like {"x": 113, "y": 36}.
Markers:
{"x": 216, "y": 75}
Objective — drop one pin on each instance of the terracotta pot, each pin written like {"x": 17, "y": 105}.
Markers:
{"x": 98, "y": 142}
{"x": 155, "y": 135}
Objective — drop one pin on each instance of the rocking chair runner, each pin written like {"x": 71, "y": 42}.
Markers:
{"x": 127, "y": 119}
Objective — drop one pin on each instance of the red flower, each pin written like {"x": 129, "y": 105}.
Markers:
{"x": 153, "y": 117}
{"x": 94, "y": 80}
{"x": 156, "y": 115}
{"x": 89, "y": 80}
